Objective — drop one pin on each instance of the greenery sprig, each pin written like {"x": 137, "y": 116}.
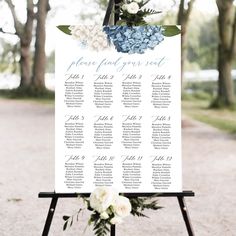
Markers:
{"x": 139, "y": 204}
{"x": 101, "y": 227}
{"x": 69, "y": 220}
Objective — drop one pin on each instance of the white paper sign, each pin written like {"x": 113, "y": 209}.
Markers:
{"x": 118, "y": 115}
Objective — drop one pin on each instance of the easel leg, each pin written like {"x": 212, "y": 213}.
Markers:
{"x": 117, "y": 8}
{"x": 185, "y": 214}
{"x": 50, "y": 216}
{"x": 113, "y": 230}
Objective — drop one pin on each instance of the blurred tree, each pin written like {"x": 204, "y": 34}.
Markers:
{"x": 202, "y": 42}
{"x": 102, "y": 3}
{"x": 8, "y": 57}
{"x": 35, "y": 12}
{"x": 192, "y": 47}
{"x": 185, "y": 9}
{"x": 226, "y": 52}
{"x": 50, "y": 66}
{"x": 167, "y": 18}
{"x": 24, "y": 32}
{"x": 208, "y": 41}
{"x": 39, "y": 65}
{"x": 99, "y": 6}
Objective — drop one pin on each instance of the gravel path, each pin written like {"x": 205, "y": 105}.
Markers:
{"x": 27, "y": 167}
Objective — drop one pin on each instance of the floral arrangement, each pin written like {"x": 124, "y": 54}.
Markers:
{"x": 132, "y": 34}
{"x": 109, "y": 208}
{"x": 132, "y": 12}
{"x": 126, "y": 39}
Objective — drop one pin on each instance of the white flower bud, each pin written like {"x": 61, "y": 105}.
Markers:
{"x": 133, "y": 8}
{"x": 116, "y": 220}
{"x": 104, "y": 215}
{"x": 124, "y": 7}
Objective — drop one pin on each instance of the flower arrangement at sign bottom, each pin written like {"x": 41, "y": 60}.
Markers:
{"x": 109, "y": 208}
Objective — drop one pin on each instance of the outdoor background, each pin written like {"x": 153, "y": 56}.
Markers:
{"x": 27, "y": 82}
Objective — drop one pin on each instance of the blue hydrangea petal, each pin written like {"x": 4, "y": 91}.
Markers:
{"x": 134, "y": 39}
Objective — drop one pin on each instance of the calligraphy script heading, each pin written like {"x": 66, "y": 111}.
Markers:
{"x": 119, "y": 64}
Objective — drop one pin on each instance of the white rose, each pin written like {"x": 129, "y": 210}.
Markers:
{"x": 122, "y": 206}
{"x": 133, "y": 8}
{"x": 102, "y": 198}
{"x": 124, "y": 7}
{"x": 104, "y": 215}
{"x": 138, "y": 1}
{"x": 116, "y": 220}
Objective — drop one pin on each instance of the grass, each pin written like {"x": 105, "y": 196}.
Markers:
{"x": 222, "y": 119}
{"x": 32, "y": 94}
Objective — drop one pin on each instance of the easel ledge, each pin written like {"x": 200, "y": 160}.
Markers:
{"x": 187, "y": 193}
{"x": 180, "y": 196}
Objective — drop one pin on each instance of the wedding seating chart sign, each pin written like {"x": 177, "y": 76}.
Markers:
{"x": 118, "y": 110}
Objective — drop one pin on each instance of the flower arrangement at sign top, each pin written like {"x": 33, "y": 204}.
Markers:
{"x": 132, "y": 34}
{"x": 109, "y": 208}
{"x": 132, "y": 12}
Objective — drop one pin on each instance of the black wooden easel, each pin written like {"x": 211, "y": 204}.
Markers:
{"x": 113, "y": 4}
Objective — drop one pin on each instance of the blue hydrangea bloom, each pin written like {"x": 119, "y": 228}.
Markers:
{"x": 134, "y": 39}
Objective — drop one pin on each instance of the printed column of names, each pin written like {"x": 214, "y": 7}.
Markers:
{"x": 74, "y": 177}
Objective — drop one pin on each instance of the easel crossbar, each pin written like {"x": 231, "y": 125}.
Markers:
{"x": 74, "y": 195}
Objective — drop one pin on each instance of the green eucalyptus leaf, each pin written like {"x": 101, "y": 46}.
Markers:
{"x": 147, "y": 12}
{"x": 144, "y": 3}
{"x": 121, "y": 22}
{"x": 65, "y": 29}
{"x": 171, "y": 30}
